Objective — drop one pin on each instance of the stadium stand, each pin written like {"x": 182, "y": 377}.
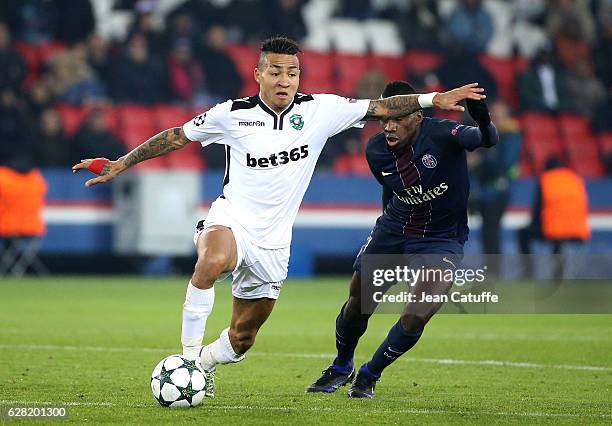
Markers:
{"x": 317, "y": 72}
{"x": 342, "y": 50}
{"x": 245, "y": 57}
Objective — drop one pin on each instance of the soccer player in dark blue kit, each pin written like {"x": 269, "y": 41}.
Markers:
{"x": 421, "y": 164}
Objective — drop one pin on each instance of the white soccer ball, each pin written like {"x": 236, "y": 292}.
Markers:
{"x": 178, "y": 382}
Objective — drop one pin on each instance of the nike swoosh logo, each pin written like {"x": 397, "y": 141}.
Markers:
{"x": 386, "y": 173}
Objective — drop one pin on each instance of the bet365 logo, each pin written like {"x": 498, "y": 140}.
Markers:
{"x": 297, "y": 122}
{"x": 279, "y": 159}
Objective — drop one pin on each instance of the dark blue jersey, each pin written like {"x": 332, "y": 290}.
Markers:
{"x": 425, "y": 185}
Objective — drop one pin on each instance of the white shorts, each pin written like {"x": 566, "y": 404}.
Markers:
{"x": 259, "y": 272}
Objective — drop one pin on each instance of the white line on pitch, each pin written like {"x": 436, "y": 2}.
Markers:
{"x": 415, "y": 411}
{"x": 442, "y": 361}
{"x": 318, "y": 409}
{"x": 496, "y": 363}
{"x": 68, "y": 404}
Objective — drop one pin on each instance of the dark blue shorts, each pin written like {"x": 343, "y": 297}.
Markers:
{"x": 381, "y": 241}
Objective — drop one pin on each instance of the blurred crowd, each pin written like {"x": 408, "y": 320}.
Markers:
{"x": 184, "y": 61}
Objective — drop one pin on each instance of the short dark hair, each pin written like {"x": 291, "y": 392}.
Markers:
{"x": 552, "y": 162}
{"x": 398, "y": 88}
{"x": 278, "y": 44}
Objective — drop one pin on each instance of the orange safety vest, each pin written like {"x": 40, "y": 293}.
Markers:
{"x": 22, "y": 200}
{"x": 565, "y": 207}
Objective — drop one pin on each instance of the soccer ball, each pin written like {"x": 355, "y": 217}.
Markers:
{"x": 178, "y": 382}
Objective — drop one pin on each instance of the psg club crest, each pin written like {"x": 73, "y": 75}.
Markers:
{"x": 297, "y": 122}
{"x": 429, "y": 161}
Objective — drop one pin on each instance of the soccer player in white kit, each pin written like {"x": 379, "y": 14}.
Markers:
{"x": 272, "y": 143}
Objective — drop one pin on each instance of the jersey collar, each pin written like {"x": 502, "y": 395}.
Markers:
{"x": 278, "y": 118}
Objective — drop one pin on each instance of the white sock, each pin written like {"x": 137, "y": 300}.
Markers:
{"x": 219, "y": 352}
{"x": 196, "y": 309}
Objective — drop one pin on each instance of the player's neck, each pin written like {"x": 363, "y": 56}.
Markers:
{"x": 277, "y": 110}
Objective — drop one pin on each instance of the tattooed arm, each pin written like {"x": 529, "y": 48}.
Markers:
{"x": 392, "y": 107}
{"x": 401, "y": 105}
{"x": 160, "y": 144}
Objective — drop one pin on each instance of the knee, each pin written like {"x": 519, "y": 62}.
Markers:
{"x": 242, "y": 340}
{"x": 208, "y": 268}
{"x": 414, "y": 323}
{"x": 352, "y": 309}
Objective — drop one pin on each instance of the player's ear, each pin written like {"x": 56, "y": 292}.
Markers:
{"x": 257, "y": 75}
{"x": 419, "y": 116}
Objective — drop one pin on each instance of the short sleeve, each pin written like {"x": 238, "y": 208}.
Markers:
{"x": 341, "y": 113}
{"x": 209, "y": 127}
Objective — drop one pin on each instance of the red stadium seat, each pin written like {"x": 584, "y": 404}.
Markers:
{"x": 135, "y": 115}
{"x": 539, "y": 152}
{"x": 317, "y": 72}
{"x": 245, "y": 56}
{"x": 583, "y": 156}
{"x": 540, "y": 126}
{"x": 605, "y": 143}
{"x": 168, "y": 116}
{"x": 573, "y": 125}
{"x": 521, "y": 63}
{"x": 504, "y": 73}
{"x": 350, "y": 69}
{"x": 29, "y": 53}
{"x": 370, "y": 129}
{"x": 136, "y": 124}
{"x": 525, "y": 166}
{"x": 48, "y": 50}
{"x": 422, "y": 61}
{"x": 35, "y": 56}
{"x": 352, "y": 164}
{"x": 189, "y": 157}
{"x": 394, "y": 67}
{"x": 72, "y": 117}
{"x": 111, "y": 116}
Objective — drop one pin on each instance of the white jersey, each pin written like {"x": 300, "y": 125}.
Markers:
{"x": 270, "y": 157}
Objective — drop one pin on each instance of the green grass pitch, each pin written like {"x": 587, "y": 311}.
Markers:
{"x": 91, "y": 344}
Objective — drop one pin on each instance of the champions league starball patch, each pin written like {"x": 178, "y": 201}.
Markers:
{"x": 429, "y": 161}
{"x": 199, "y": 120}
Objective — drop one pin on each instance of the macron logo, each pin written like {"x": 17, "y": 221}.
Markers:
{"x": 251, "y": 123}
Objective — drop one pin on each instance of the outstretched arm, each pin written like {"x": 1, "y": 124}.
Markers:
{"x": 401, "y": 105}
{"x": 160, "y": 144}
{"x": 480, "y": 113}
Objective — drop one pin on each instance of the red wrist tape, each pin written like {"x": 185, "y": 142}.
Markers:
{"x": 97, "y": 165}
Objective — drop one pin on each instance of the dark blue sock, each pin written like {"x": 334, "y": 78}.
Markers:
{"x": 395, "y": 344}
{"x": 348, "y": 332}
